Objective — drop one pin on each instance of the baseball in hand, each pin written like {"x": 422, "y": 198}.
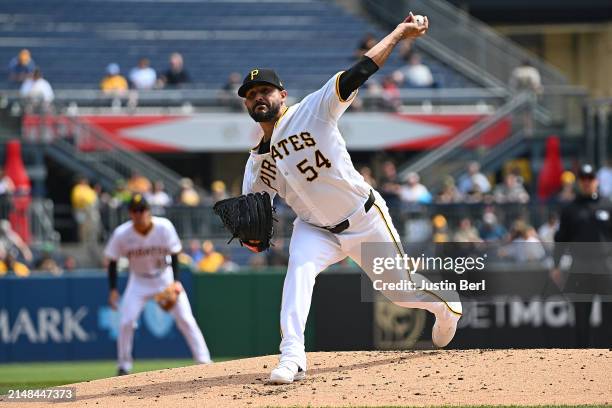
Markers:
{"x": 419, "y": 19}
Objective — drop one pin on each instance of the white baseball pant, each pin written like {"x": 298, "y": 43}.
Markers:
{"x": 312, "y": 249}
{"x": 138, "y": 291}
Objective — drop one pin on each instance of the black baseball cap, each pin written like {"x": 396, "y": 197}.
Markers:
{"x": 586, "y": 171}
{"x": 138, "y": 203}
{"x": 260, "y": 76}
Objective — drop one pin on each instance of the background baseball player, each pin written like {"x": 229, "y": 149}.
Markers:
{"x": 151, "y": 245}
{"x": 303, "y": 158}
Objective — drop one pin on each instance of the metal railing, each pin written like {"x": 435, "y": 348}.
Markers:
{"x": 40, "y": 215}
{"x": 110, "y": 158}
{"x": 599, "y": 131}
{"x": 122, "y": 158}
{"x": 413, "y": 221}
{"x": 73, "y": 101}
{"x": 494, "y": 55}
{"x": 480, "y": 53}
{"x": 467, "y": 145}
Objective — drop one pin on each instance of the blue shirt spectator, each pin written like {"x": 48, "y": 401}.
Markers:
{"x": 491, "y": 230}
{"x": 21, "y": 67}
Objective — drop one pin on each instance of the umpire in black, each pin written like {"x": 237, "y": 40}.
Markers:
{"x": 585, "y": 233}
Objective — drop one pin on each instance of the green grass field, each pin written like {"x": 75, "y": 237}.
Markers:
{"x": 49, "y": 374}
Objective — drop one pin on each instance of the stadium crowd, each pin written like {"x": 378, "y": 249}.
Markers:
{"x": 490, "y": 222}
{"x": 382, "y": 93}
{"x": 471, "y": 209}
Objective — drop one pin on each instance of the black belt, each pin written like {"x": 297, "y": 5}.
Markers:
{"x": 345, "y": 224}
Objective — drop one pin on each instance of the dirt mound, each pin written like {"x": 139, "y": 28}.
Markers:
{"x": 470, "y": 377}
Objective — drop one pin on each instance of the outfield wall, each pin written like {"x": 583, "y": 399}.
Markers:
{"x": 67, "y": 318}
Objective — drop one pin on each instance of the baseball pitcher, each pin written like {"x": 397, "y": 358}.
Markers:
{"x": 303, "y": 158}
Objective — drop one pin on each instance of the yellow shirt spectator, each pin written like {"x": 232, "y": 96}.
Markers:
{"x": 20, "y": 270}
{"x": 211, "y": 262}
{"x": 83, "y": 196}
{"x": 113, "y": 83}
{"x": 139, "y": 184}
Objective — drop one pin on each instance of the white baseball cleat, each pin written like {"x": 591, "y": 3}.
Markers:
{"x": 286, "y": 373}
{"x": 445, "y": 327}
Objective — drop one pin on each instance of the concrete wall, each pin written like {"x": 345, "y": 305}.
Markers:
{"x": 583, "y": 52}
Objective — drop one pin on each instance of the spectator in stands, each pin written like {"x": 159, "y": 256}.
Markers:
{"x": 440, "y": 229}
{"x": 258, "y": 261}
{"x": 8, "y": 264}
{"x": 229, "y": 93}
{"x": 373, "y": 97}
{"x": 366, "y": 173}
{"x": 277, "y": 256}
{"x": 568, "y": 187}
{"x": 143, "y": 77}
{"x": 37, "y": 91}
{"x": 466, "y": 232}
{"x": 195, "y": 251}
{"x": 511, "y": 191}
{"x": 547, "y": 231}
{"x": 416, "y": 74}
{"x": 474, "y": 180}
{"x": 233, "y": 83}
{"x": 526, "y": 78}
{"x": 211, "y": 260}
{"x": 113, "y": 82}
{"x": 70, "y": 263}
{"x": 176, "y": 75}
{"x": 121, "y": 196}
{"x": 391, "y": 96}
{"x": 7, "y": 188}
{"x": 525, "y": 245}
{"x": 475, "y": 196}
{"x": 158, "y": 199}
{"x": 21, "y": 67}
{"x": 449, "y": 194}
{"x": 219, "y": 191}
{"x": 138, "y": 184}
{"x": 85, "y": 208}
{"x": 390, "y": 186}
{"x": 46, "y": 262}
{"x": 604, "y": 175}
{"x": 229, "y": 265}
{"x": 491, "y": 230}
{"x": 368, "y": 41}
{"x": 12, "y": 244}
{"x": 413, "y": 191}
{"x": 188, "y": 195}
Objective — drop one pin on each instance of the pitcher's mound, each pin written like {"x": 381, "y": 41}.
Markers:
{"x": 339, "y": 379}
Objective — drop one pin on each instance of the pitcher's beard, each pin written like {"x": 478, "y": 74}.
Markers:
{"x": 267, "y": 116}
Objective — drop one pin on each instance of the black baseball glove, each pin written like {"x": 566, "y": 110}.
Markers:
{"x": 249, "y": 218}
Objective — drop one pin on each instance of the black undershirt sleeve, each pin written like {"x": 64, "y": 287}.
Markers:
{"x": 112, "y": 274}
{"x": 264, "y": 147}
{"x": 356, "y": 76}
{"x": 175, "y": 267}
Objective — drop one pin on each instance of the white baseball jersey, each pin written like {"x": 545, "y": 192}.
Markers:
{"x": 149, "y": 255}
{"x": 308, "y": 164}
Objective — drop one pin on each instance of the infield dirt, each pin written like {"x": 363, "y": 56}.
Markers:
{"x": 393, "y": 378}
